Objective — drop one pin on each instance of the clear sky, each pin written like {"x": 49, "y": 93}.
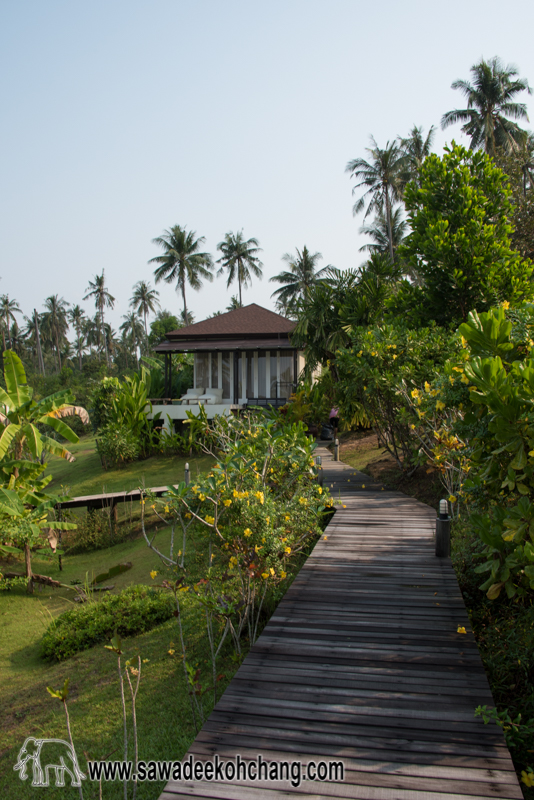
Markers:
{"x": 124, "y": 117}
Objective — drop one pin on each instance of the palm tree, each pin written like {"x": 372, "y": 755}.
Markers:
{"x": 144, "y": 299}
{"x": 8, "y": 309}
{"x": 234, "y": 303}
{"x": 378, "y": 231}
{"x": 490, "y": 102}
{"x": 55, "y": 325}
{"x": 181, "y": 260}
{"x": 297, "y": 282}
{"x": 77, "y": 318}
{"x": 97, "y": 289}
{"x": 239, "y": 259}
{"x": 415, "y": 148}
{"x": 382, "y": 177}
{"x": 132, "y": 331}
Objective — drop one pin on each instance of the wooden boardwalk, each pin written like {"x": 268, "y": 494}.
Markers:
{"x": 362, "y": 662}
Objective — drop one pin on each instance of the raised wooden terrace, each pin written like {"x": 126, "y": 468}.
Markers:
{"x": 362, "y": 662}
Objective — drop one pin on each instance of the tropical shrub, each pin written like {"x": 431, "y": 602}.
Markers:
{"x": 373, "y": 370}
{"x": 132, "y": 611}
{"x": 94, "y": 531}
{"x": 117, "y": 445}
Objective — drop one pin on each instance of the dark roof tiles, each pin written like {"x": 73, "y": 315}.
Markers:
{"x": 248, "y": 320}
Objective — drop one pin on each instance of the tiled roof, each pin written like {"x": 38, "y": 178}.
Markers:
{"x": 213, "y": 345}
{"x": 246, "y": 321}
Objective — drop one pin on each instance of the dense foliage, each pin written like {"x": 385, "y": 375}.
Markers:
{"x": 134, "y": 610}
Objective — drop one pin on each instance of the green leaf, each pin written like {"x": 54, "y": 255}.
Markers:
{"x": 15, "y": 378}
{"x": 520, "y": 459}
{"x": 494, "y": 590}
{"x": 33, "y": 439}
{"x": 62, "y": 693}
{"x": 8, "y": 434}
{"x": 10, "y": 503}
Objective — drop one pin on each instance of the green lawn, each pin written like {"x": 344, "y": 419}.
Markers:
{"x": 86, "y": 475}
{"x": 26, "y": 708}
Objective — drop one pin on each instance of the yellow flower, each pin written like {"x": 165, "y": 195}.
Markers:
{"x": 171, "y": 652}
{"x": 271, "y": 570}
{"x": 452, "y": 498}
{"x": 283, "y": 574}
{"x": 464, "y": 379}
{"x": 461, "y": 629}
{"x": 319, "y": 489}
{"x": 288, "y": 551}
{"x": 360, "y": 354}
{"x": 184, "y": 588}
{"x": 440, "y": 405}
{"x": 257, "y": 548}
{"x": 344, "y": 506}
{"x": 363, "y": 485}
{"x": 188, "y": 515}
{"x": 153, "y": 574}
{"x": 202, "y": 497}
{"x": 260, "y": 497}
{"x": 194, "y": 489}
{"x": 427, "y": 386}
{"x": 325, "y": 538}
{"x": 268, "y": 520}
{"x": 166, "y": 509}
{"x": 210, "y": 520}
{"x": 505, "y": 304}
{"x": 227, "y": 503}
{"x": 303, "y": 501}
{"x": 146, "y": 660}
{"x": 451, "y": 379}
{"x": 394, "y": 357}
{"x": 415, "y": 392}
{"x": 247, "y": 532}
{"x": 233, "y": 561}
{"x": 287, "y": 517}
{"x": 264, "y": 575}
{"x": 527, "y": 777}
{"x": 412, "y": 427}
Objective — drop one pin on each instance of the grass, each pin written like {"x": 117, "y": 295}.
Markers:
{"x": 86, "y": 476}
{"x": 26, "y": 708}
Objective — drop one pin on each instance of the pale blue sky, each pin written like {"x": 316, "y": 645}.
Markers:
{"x": 122, "y": 118}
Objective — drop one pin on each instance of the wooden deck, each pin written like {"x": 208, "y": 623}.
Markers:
{"x": 362, "y": 662}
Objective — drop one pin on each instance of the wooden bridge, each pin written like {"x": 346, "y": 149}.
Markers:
{"x": 362, "y": 662}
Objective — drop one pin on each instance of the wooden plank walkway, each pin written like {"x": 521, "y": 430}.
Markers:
{"x": 362, "y": 662}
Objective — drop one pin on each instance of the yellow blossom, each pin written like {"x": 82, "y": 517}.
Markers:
{"x": 505, "y": 305}
{"x": 188, "y": 515}
{"x": 247, "y": 532}
{"x": 210, "y": 520}
{"x": 283, "y": 574}
{"x": 271, "y": 570}
{"x": 171, "y": 652}
{"x": 201, "y": 497}
{"x": 303, "y": 501}
{"x": 167, "y": 509}
{"x": 233, "y": 561}
{"x": 194, "y": 489}
{"x": 153, "y": 574}
{"x": 288, "y": 551}
{"x": 184, "y": 588}
{"x": 260, "y": 497}
{"x": 527, "y": 778}
{"x": 319, "y": 489}
{"x": 451, "y": 379}
{"x": 461, "y": 629}
{"x": 287, "y": 517}
{"x": 325, "y": 538}
{"x": 427, "y": 386}
{"x": 363, "y": 485}
{"x": 452, "y": 498}
{"x": 146, "y": 660}
{"x": 464, "y": 379}
{"x": 440, "y": 405}
{"x": 264, "y": 575}
{"x": 412, "y": 426}
{"x": 415, "y": 392}
{"x": 257, "y": 549}
{"x": 227, "y": 503}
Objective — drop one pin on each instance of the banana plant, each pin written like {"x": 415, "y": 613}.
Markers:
{"x": 20, "y": 415}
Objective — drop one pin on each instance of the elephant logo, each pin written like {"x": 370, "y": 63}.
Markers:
{"x": 32, "y": 750}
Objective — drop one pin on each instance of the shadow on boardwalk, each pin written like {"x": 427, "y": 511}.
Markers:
{"x": 362, "y": 662}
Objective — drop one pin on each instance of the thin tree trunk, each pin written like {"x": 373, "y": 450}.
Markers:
{"x": 388, "y": 219}
{"x": 57, "y": 349}
{"x": 38, "y": 342}
{"x": 239, "y": 282}
{"x": 3, "y": 339}
{"x": 185, "y": 304}
{"x": 28, "y": 563}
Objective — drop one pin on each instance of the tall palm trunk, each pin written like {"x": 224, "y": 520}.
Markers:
{"x": 38, "y": 343}
{"x": 183, "y": 294}
{"x": 388, "y": 220}
{"x": 239, "y": 282}
{"x": 57, "y": 349}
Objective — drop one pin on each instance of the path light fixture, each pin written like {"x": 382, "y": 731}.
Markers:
{"x": 187, "y": 472}
{"x": 336, "y": 450}
{"x": 443, "y": 531}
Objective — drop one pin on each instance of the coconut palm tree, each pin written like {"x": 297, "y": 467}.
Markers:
{"x": 415, "y": 148}
{"x": 98, "y": 291}
{"x": 182, "y": 260}
{"x": 144, "y": 299}
{"x": 55, "y": 324}
{"x": 378, "y": 231}
{"x": 239, "y": 259}
{"x": 8, "y": 309}
{"x": 77, "y": 319}
{"x": 382, "y": 177}
{"x": 132, "y": 331}
{"x": 490, "y": 104}
{"x": 302, "y": 275}
{"x": 234, "y": 303}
